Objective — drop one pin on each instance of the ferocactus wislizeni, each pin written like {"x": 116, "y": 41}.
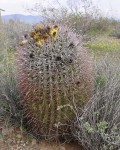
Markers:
{"x": 53, "y": 78}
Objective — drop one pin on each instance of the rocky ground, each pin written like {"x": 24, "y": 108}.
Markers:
{"x": 14, "y": 138}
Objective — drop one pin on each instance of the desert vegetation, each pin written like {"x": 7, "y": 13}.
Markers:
{"x": 60, "y": 80}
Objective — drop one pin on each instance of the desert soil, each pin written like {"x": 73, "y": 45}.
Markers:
{"x": 13, "y": 138}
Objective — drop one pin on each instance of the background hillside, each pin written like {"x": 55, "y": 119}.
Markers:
{"x": 27, "y": 19}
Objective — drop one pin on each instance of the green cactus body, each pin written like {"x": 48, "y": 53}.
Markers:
{"x": 53, "y": 79}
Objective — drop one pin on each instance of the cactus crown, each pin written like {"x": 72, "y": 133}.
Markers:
{"x": 53, "y": 55}
{"x": 53, "y": 77}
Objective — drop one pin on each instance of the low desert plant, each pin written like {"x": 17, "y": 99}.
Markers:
{"x": 10, "y": 109}
{"x": 97, "y": 127}
{"x": 9, "y": 97}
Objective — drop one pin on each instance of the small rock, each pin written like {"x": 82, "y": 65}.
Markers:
{"x": 11, "y": 130}
{"x": 62, "y": 148}
{"x": 19, "y": 136}
{"x": 34, "y": 142}
{"x": 5, "y": 131}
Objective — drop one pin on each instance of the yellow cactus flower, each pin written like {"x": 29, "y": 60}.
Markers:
{"x": 53, "y": 32}
{"x": 23, "y": 42}
{"x": 40, "y": 34}
{"x": 45, "y": 37}
{"x": 36, "y": 37}
{"x": 39, "y": 42}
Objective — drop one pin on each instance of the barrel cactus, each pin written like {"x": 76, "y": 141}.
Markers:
{"x": 53, "y": 78}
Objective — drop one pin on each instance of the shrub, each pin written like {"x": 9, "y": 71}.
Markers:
{"x": 115, "y": 34}
{"x": 116, "y": 30}
{"x": 10, "y": 109}
{"x": 98, "y": 125}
